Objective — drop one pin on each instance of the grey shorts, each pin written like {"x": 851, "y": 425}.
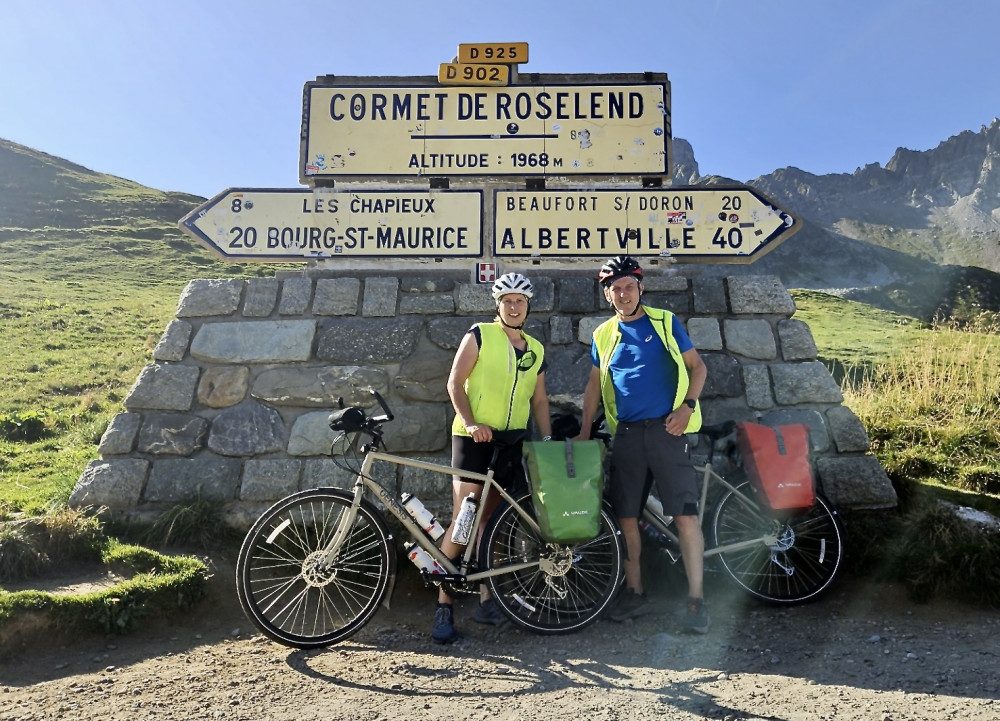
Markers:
{"x": 644, "y": 453}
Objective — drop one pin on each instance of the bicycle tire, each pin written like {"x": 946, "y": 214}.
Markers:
{"x": 288, "y": 594}
{"x": 798, "y": 568}
{"x": 568, "y": 590}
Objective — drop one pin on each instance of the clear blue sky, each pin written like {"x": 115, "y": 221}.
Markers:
{"x": 203, "y": 95}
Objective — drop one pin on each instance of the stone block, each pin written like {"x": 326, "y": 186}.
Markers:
{"x": 797, "y": 341}
{"x": 336, "y": 296}
{"x": 709, "y": 295}
{"x": 808, "y": 382}
{"x": 576, "y": 295}
{"x": 856, "y": 483}
{"x": 174, "y": 341}
{"x": 357, "y": 341}
{"x": 269, "y": 479}
{"x": 163, "y": 387}
{"x": 427, "y": 304}
{"x": 750, "y": 338}
{"x": 116, "y": 483}
{"x": 705, "y": 333}
{"x": 311, "y": 435}
{"x": 418, "y": 427}
{"x": 757, "y": 381}
{"x": 475, "y": 298}
{"x": 426, "y": 285}
{"x": 119, "y": 437}
{"x": 223, "y": 386}
{"x": 447, "y": 333}
{"x": 560, "y": 330}
{"x": 724, "y": 377}
{"x": 260, "y": 297}
{"x": 759, "y": 294}
{"x": 295, "y": 296}
{"x": 264, "y": 341}
{"x": 208, "y": 297}
{"x": 249, "y": 429}
{"x": 848, "y": 432}
{"x": 380, "y": 297}
{"x": 174, "y": 434}
{"x": 179, "y": 480}
{"x": 424, "y": 377}
{"x": 319, "y": 386}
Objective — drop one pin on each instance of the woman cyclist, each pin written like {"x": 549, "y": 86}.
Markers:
{"x": 497, "y": 378}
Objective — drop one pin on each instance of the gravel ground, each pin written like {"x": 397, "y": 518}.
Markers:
{"x": 864, "y": 651}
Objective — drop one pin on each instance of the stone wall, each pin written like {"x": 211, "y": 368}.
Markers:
{"x": 233, "y": 406}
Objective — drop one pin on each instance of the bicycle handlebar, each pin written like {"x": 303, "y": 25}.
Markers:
{"x": 354, "y": 418}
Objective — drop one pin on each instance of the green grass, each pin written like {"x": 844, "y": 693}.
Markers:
{"x": 928, "y": 395}
{"x": 91, "y": 269}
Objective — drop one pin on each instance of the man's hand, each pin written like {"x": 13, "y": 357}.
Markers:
{"x": 677, "y": 421}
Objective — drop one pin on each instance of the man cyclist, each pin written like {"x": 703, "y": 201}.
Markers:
{"x": 648, "y": 375}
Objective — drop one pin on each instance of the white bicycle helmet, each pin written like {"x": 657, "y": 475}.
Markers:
{"x": 511, "y": 283}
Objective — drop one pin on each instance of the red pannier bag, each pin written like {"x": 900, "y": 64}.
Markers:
{"x": 777, "y": 463}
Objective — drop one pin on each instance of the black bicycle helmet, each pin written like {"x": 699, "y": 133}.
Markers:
{"x": 620, "y": 266}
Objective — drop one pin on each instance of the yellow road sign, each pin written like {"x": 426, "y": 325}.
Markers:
{"x": 503, "y": 53}
{"x": 281, "y": 225}
{"x": 473, "y": 74}
{"x": 549, "y": 129}
{"x": 734, "y": 224}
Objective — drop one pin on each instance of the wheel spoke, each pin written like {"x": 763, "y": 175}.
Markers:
{"x": 293, "y": 589}
{"x": 798, "y": 567}
{"x": 570, "y": 586}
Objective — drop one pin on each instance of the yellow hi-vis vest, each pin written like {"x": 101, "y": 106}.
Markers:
{"x": 607, "y": 336}
{"x": 499, "y": 394}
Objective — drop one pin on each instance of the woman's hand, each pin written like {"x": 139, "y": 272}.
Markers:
{"x": 480, "y": 433}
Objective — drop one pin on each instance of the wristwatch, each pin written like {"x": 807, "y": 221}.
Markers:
{"x": 690, "y": 403}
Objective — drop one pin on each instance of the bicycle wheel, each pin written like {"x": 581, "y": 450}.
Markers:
{"x": 570, "y": 585}
{"x": 799, "y": 566}
{"x": 285, "y": 585}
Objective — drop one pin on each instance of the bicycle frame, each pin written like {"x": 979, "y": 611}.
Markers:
{"x": 708, "y": 476}
{"x": 455, "y": 574}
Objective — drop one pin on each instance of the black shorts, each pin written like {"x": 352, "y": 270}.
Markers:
{"x": 643, "y": 454}
{"x": 510, "y": 471}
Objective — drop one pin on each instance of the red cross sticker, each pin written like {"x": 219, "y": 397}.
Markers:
{"x": 486, "y": 272}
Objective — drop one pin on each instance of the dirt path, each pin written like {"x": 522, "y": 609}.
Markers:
{"x": 862, "y": 652}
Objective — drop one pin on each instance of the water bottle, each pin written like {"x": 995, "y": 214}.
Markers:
{"x": 422, "y": 559}
{"x": 650, "y": 531}
{"x": 424, "y": 518}
{"x": 462, "y": 531}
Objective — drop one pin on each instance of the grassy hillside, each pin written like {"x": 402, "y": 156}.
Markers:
{"x": 91, "y": 268}
{"x": 929, "y": 395}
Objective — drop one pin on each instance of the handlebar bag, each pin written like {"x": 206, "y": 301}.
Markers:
{"x": 567, "y": 483}
{"x": 777, "y": 464}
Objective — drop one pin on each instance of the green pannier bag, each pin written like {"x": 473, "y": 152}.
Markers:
{"x": 566, "y": 488}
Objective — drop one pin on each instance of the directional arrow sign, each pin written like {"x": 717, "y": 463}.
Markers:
{"x": 735, "y": 224}
{"x": 281, "y": 225}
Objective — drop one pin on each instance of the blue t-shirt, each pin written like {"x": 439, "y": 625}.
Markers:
{"x": 643, "y": 374}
